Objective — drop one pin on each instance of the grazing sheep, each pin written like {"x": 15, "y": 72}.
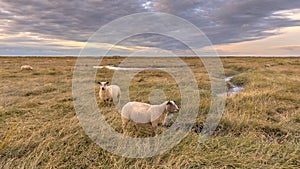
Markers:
{"x": 142, "y": 113}
{"x": 108, "y": 94}
{"x": 267, "y": 65}
{"x": 26, "y": 67}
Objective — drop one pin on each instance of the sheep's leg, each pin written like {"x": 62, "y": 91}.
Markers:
{"x": 154, "y": 128}
{"x": 111, "y": 101}
{"x": 115, "y": 100}
{"x": 137, "y": 127}
{"x": 124, "y": 125}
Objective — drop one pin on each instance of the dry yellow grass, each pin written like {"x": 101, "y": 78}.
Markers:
{"x": 260, "y": 127}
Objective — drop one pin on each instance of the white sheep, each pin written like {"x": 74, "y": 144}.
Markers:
{"x": 26, "y": 67}
{"x": 143, "y": 113}
{"x": 108, "y": 94}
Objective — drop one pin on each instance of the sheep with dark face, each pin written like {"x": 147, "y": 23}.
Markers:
{"x": 109, "y": 93}
{"x": 143, "y": 113}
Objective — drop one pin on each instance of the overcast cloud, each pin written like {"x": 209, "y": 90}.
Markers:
{"x": 223, "y": 21}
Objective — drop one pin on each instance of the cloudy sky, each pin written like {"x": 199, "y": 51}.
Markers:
{"x": 234, "y": 27}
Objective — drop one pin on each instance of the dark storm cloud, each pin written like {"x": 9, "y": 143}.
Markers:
{"x": 249, "y": 19}
{"x": 232, "y": 20}
{"x": 223, "y": 21}
{"x": 71, "y": 20}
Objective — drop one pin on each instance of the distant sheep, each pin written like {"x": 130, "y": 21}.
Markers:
{"x": 267, "y": 65}
{"x": 142, "y": 113}
{"x": 108, "y": 94}
{"x": 26, "y": 67}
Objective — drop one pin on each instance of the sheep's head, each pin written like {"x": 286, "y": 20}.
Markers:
{"x": 172, "y": 107}
{"x": 103, "y": 85}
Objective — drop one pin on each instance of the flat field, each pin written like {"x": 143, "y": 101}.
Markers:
{"x": 260, "y": 126}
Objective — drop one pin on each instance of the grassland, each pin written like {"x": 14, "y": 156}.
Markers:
{"x": 260, "y": 127}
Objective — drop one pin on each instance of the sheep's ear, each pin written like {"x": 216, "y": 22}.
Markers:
{"x": 99, "y": 83}
{"x": 107, "y": 83}
{"x": 169, "y": 102}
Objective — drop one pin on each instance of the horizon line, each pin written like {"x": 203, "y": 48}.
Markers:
{"x": 151, "y": 56}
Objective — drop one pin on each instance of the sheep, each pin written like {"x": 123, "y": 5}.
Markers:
{"x": 26, "y": 67}
{"x": 143, "y": 113}
{"x": 267, "y": 65}
{"x": 108, "y": 94}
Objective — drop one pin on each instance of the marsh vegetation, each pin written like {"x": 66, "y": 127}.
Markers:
{"x": 260, "y": 126}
